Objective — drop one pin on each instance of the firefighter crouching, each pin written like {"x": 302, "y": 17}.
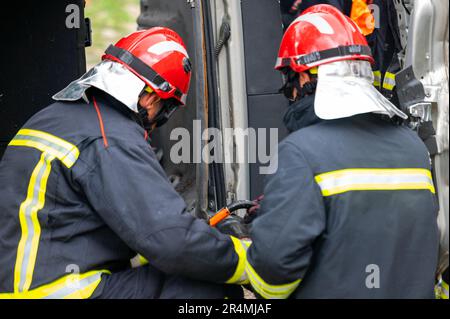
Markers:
{"x": 83, "y": 192}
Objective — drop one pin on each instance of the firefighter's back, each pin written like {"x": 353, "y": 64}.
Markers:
{"x": 48, "y": 228}
{"x": 381, "y": 236}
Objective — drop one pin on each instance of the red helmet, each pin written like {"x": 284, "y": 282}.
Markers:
{"x": 158, "y": 57}
{"x": 321, "y": 34}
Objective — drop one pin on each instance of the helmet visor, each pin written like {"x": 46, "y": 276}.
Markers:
{"x": 345, "y": 88}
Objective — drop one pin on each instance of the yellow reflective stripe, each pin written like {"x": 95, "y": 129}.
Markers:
{"x": 377, "y": 78}
{"x": 84, "y": 293}
{"x": 142, "y": 260}
{"x": 389, "y": 81}
{"x": 72, "y": 286}
{"x": 51, "y": 147}
{"x": 66, "y": 152}
{"x": 444, "y": 290}
{"x": 31, "y": 230}
{"x": 148, "y": 89}
{"x": 266, "y": 290}
{"x": 361, "y": 179}
{"x": 138, "y": 261}
{"x": 39, "y": 146}
{"x": 51, "y": 138}
{"x": 241, "y": 250}
{"x": 314, "y": 70}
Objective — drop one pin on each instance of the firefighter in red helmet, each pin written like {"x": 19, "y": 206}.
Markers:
{"x": 86, "y": 192}
{"x": 351, "y": 211}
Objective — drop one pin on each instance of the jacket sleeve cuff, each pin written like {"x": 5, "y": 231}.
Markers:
{"x": 240, "y": 277}
{"x": 268, "y": 291}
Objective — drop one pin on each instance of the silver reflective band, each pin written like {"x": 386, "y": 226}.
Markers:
{"x": 267, "y": 290}
{"x": 75, "y": 286}
{"x": 66, "y": 152}
{"x": 51, "y": 147}
{"x": 30, "y": 209}
{"x": 389, "y": 81}
{"x": 346, "y": 180}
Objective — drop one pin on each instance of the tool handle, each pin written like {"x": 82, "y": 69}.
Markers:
{"x": 219, "y": 216}
{"x": 227, "y": 211}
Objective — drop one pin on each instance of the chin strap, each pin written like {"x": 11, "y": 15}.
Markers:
{"x": 308, "y": 88}
{"x": 292, "y": 81}
{"x": 169, "y": 107}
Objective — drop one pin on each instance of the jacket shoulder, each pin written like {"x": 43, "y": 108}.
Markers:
{"x": 79, "y": 121}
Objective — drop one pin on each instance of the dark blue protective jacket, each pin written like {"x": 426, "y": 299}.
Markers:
{"x": 75, "y": 200}
{"x": 350, "y": 213}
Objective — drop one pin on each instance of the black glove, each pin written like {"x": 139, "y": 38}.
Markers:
{"x": 252, "y": 212}
{"x": 234, "y": 226}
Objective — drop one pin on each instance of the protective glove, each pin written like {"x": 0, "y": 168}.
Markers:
{"x": 252, "y": 212}
{"x": 229, "y": 223}
{"x": 234, "y": 226}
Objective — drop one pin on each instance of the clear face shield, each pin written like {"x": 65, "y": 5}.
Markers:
{"x": 345, "y": 88}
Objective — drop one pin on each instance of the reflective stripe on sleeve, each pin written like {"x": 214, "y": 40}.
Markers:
{"x": 341, "y": 181}
{"x": 138, "y": 261}
{"x": 73, "y": 286}
{"x": 240, "y": 247}
{"x": 377, "y": 79}
{"x": 389, "y": 81}
{"x": 444, "y": 290}
{"x": 269, "y": 291}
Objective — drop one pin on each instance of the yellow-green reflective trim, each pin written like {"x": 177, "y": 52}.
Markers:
{"x": 72, "y": 286}
{"x": 239, "y": 274}
{"x": 269, "y": 291}
{"x": 444, "y": 290}
{"x": 148, "y": 89}
{"x": 314, "y": 70}
{"x": 29, "y": 223}
{"x": 377, "y": 78}
{"x": 138, "y": 261}
{"x": 361, "y": 179}
{"x": 66, "y": 152}
{"x": 389, "y": 81}
{"x": 51, "y": 147}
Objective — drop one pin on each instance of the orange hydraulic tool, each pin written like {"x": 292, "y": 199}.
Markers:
{"x": 229, "y": 210}
{"x": 219, "y": 216}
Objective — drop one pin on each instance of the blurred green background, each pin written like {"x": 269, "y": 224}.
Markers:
{"x": 111, "y": 20}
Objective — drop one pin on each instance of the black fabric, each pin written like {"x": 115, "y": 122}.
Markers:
{"x": 289, "y": 16}
{"x": 115, "y": 201}
{"x": 147, "y": 282}
{"x": 330, "y": 53}
{"x": 383, "y": 39}
{"x": 445, "y": 276}
{"x": 329, "y": 242}
{"x": 300, "y": 114}
{"x": 143, "y": 118}
{"x": 109, "y": 100}
{"x": 136, "y": 64}
{"x": 335, "y": 52}
{"x": 292, "y": 82}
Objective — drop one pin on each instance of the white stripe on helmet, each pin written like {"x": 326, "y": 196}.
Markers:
{"x": 167, "y": 46}
{"x": 320, "y": 23}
